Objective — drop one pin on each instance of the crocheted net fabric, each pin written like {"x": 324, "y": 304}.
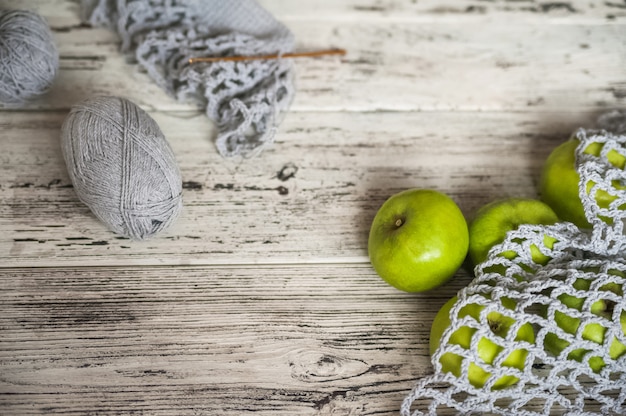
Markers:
{"x": 569, "y": 285}
{"x": 245, "y": 99}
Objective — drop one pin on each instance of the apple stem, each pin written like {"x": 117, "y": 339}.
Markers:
{"x": 399, "y": 222}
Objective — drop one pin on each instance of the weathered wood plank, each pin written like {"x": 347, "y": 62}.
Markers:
{"x": 430, "y": 10}
{"x": 64, "y": 12}
{"x": 308, "y": 198}
{"x": 260, "y": 299}
{"x": 271, "y": 341}
{"x": 496, "y": 66}
{"x": 475, "y": 64}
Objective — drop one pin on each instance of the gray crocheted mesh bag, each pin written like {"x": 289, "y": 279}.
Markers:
{"x": 569, "y": 285}
{"x": 245, "y": 99}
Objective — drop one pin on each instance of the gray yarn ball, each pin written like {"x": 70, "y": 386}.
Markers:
{"x": 28, "y": 56}
{"x": 121, "y": 166}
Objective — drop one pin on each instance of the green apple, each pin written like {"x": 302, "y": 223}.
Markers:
{"x": 418, "y": 240}
{"x": 559, "y": 182}
{"x": 487, "y": 350}
{"x": 493, "y": 221}
{"x": 592, "y": 331}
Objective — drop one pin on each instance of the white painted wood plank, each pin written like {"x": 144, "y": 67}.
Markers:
{"x": 344, "y": 166}
{"x": 441, "y": 10}
{"x": 322, "y": 340}
{"x": 465, "y": 97}
{"x": 498, "y": 66}
{"x": 476, "y": 64}
{"x": 188, "y": 341}
{"x": 64, "y": 12}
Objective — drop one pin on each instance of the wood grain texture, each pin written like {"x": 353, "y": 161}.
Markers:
{"x": 309, "y": 199}
{"x": 260, "y": 299}
{"x": 332, "y": 339}
{"x": 478, "y": 64}
{"x": 66, "y": 12}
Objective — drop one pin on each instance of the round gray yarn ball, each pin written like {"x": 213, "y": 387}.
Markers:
{"x": 28, "y": 56}
{"x": 121, "y": 166}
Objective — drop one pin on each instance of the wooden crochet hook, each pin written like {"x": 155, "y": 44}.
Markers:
{"x": 312, "y": 54}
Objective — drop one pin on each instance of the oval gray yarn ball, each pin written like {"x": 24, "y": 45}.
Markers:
{"x": 28, "y": 56}
{"x": 121, "y": 166}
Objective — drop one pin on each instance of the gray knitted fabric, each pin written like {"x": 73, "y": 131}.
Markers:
{"x": 585, "y": 374}
{"x": 245, "y": 99}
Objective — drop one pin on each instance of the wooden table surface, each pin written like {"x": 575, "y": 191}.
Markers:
{"x": 261, "y": 299}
